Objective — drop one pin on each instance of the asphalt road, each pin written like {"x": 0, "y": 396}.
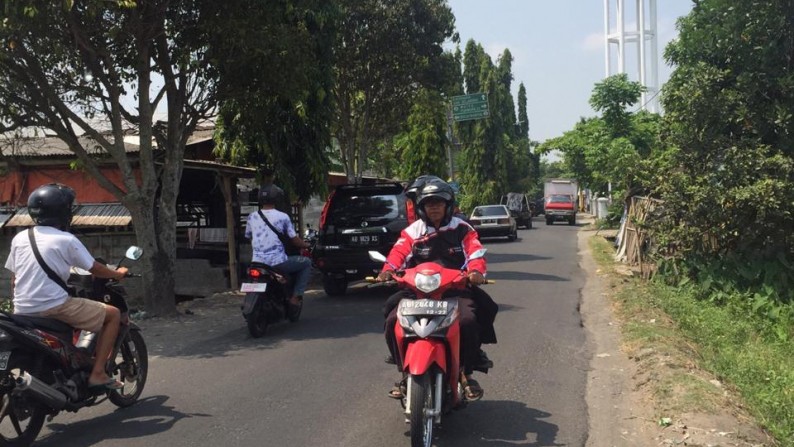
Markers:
{"x": 322, "y": 381}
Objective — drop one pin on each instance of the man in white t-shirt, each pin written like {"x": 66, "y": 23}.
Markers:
{"x": 268, "y": 248}
{"x": 36, "y": 294}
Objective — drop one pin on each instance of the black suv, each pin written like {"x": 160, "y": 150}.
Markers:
{"x": 355, "y": 220}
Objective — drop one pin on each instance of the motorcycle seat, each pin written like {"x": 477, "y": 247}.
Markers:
{"x": 272, "y": 269}
{"x": 51, "y": 325}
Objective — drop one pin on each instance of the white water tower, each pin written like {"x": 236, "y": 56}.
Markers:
{"x": 635, "y": 43}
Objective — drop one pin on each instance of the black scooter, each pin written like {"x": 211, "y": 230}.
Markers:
{"x": 45, "y": 363}
{"x": 267, "y": 298}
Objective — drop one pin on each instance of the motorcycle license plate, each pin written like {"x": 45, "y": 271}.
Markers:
{"x": 4, "y": 356}
{"x": 424, "y": 307}
{"x": 253, "y": 287}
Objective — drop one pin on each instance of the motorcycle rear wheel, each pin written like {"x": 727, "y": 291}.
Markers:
{"x": 257, "y": 320}
{"x": 21, "y": 417}
{"x": 420, "y": 402}
{"x": 132, "y": 370}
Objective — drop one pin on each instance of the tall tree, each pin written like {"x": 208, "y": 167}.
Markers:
{"x": 98, "y": 69}
{"x": 385, "y": 52}
{"x": 611, "y": 97}
{"x": 422, "y": 146}
{"x": 528, "y": 163}
{"x": 729, "y": 106}
{"x": 267, "y": 119}
{"x": 64, "y": 63}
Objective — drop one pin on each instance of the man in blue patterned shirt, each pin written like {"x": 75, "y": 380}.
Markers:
{"x": 267, "y": 246}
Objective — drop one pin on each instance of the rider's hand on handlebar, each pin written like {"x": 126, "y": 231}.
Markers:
{"x": 384, "y": 276}
{"x": 123, "y": 271}
{"x": 476, "y": 278}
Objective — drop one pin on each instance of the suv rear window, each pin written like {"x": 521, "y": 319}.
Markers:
{"x": 346, "y": 208}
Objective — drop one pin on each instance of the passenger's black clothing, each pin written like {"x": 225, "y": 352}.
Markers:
{"x": 469, "y": 329}
{"x": 485, "y": 308}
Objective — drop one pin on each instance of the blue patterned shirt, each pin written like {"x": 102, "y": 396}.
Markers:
{"x": 267, "y": 248}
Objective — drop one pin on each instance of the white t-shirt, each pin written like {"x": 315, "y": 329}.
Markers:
{"x": 266, "y": 246}
{"x": 34, "y": 291}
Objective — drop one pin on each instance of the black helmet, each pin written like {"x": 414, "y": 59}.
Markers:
{"x": 439, "y": 189}
{"x": 270, "y": 195}
{"x": 51, "y": 205}
{"x": 412, "y": 191}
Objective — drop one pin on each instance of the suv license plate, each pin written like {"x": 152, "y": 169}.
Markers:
{"x": 369, "y": 239}
{"x": 253, "y": 287}
{"x": 4, "y": 356}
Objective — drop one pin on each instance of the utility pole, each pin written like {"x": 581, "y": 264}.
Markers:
{"x": 450, "y": 161}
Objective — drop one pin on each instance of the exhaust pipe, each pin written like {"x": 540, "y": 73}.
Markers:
{"x": 40, "y": 391}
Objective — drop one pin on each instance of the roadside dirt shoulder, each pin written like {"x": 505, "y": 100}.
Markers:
{"x": 623, "y": 411}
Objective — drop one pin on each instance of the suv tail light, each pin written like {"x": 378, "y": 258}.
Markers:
{"x": 410, "y": 212}
{"x": 324, "y": 213}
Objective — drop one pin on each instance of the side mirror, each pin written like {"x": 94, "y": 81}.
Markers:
{"x": 376, "y": 256}
{"x": 134, "y": 253}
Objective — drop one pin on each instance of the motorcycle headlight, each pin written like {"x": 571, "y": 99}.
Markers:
{"x": 404, "y": 321}
{"x": 427, "y": 283}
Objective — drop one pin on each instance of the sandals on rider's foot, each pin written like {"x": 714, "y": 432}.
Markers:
{"x": 473, "y": 391}
{"x": 398, "y": 392}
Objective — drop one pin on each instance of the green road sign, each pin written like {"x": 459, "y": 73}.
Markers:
{"x": 470, "y": 107}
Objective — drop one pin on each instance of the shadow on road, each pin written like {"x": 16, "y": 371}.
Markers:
{"x": 149, "y": 416}
{"x": 498, "y": 423}
{"x": 216, "y": 328}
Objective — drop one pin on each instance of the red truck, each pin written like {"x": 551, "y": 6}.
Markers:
{"x": 559, "y": 197}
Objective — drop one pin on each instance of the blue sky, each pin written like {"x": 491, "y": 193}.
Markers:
{"x": 558, "y": 50}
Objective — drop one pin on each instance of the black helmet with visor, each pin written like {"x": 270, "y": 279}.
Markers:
{"x": 439, "y": 190}
{"x": 51, "y": 205}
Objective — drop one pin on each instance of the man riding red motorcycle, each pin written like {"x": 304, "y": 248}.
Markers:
{"x": 439, "y": 237}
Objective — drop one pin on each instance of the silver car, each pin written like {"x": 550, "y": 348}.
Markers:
{"x": 494, "y": 221}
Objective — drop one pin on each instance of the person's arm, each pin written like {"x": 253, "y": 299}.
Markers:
{"x": 476, "y": 268}
{"x": 298, "y": 242}
{"x": 13, "y": 280}
{"x": 102, "y": 271}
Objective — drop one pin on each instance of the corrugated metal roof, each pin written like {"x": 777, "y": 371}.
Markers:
{"x": 53, "y": 146}
{"x": 86, "y": 215}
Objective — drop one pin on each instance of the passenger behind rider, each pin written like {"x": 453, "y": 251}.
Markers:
{"x": 268, "y": 248}
{"x": 438, "y": 237}
{"x": 35, "y": 294}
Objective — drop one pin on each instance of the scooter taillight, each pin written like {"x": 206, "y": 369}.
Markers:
{"x": 254, "y": 273}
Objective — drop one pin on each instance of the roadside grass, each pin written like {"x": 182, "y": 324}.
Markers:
{"x": 695, "y": 356}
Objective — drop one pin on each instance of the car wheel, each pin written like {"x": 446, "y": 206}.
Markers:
{"x": 334, "y": 286}
{"x": 549, "y": 221}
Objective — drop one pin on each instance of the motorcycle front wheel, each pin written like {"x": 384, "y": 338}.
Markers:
{"x": 21, "y": 417}
{"x": 420, "y": 400}
{"x": 130, "y": 367}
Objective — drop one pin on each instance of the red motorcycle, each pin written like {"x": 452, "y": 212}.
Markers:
{"x": 428, "y": 341}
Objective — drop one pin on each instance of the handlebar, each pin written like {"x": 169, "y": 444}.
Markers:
{"x": 373, "y": 281}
